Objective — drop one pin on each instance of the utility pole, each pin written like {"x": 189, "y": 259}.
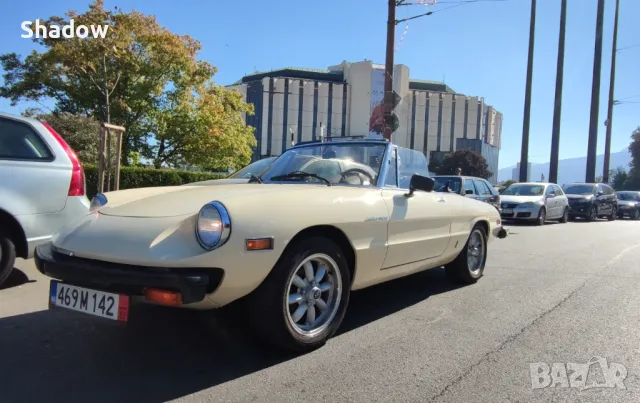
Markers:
{"x": 388, "y": 67}
{"x": 557, "y": 110}
{"x": 524, "y": 154}
{"x": 612, "y": 82}
{"x": 590, "y": 175}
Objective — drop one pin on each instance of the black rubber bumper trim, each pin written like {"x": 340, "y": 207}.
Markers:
{"x": 193, "y": 284}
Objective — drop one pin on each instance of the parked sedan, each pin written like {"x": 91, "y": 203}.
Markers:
{"x": 628, "y": 204}
{"x": 469, "y": 186}
{"x": 591, "y": 200}
{"x": 537, "y": 202}
{"x": 289, "y": 247}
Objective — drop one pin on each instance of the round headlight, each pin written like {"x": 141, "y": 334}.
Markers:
{"x": 98, "y": 201}
{"x": 214, "y": 225}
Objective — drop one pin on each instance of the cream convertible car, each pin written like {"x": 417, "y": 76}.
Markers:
{"x": 326, "y": 218}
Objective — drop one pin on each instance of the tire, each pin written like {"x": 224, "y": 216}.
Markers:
{"x": 542, "y": 216}
{"x": 565, "y": 216}
{"x": 272, "y": 311}
{"x": 7, "y": 257}
{"x": 635, "y": 215}
{"x": 593, "y": 214}
{"x": 614, "y": 214}
{"x": 460, "y": 270}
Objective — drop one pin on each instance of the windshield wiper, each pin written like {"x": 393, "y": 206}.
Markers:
{"x": 300, "y": 175}
{"x": 255, "y": 178}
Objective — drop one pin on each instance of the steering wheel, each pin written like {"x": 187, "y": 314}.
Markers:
{"x": 353, "y": 171}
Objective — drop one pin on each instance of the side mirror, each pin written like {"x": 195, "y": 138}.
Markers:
{"x": 419, "y": 182}
{"x": 468, "y": 192}
{"x": 600, "y": 193}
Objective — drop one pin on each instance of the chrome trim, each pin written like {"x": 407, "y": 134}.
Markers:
{"x": 384, "y": 166}
{"x": 226, "y": 225}
{"x": 273, "y": 243}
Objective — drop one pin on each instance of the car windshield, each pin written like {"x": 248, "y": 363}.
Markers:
{"x": 578, "y": 189}
{"x": 356, "y": 163}
{"x": 523, "y": 190}
{"x": 255, "y": 168}
{"x": 442, "y": 181}
{"x": 628, "y": 196}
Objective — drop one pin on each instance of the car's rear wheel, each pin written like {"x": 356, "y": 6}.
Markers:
{"x": 303, "y": 301}
{"x": 7, "y": 257}
{"x": 565, "y": 216}
{"x": 468, "y": 266}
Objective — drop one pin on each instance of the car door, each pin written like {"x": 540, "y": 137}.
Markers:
{"x": 484, "y": 194}
{"x": 601, "y": 200}
{"x": 469, "y": 186}
{"x": 419, "y": 226}
{"x": 33, "y": 180}
{"x": 551, "y": 202}
{"x": 610, "y": 196}
{"x": 563, "y": 202}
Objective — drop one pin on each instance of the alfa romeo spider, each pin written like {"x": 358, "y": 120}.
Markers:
{"x": 326, "y": 218}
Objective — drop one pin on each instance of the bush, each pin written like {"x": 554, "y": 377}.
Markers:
{"x": 137, "y": 177}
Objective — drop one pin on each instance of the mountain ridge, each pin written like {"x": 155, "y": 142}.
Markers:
{"x": 571, "y": 169}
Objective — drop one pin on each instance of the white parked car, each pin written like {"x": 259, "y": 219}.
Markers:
{"x": 42, "y": 187}
{"x": 536, "y": 202}
{"x": 326, "y": 218}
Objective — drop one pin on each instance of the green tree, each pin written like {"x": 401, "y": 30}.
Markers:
{"x": 618, "y": 178}
{"x": 633, "y": 182}
{"x": 507, "y": 183}
{"x": 136, "y": 77}
{"x": 471, "y": 163}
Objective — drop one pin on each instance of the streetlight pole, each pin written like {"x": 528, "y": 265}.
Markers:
{"x": 524, "y": 154}
{"x": 388, "y": 68}
{"x": 612, "y": 81}
{"x": 590, "y": 175}
{"x": 557, "y": 112}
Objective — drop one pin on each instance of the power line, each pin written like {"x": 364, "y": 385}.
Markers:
{"x": 628, "y": 47}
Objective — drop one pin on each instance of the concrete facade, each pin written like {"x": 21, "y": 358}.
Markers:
{"x": 294, "y": 105}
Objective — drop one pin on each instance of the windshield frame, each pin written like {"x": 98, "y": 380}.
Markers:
{"x": 382, "y": 173}
{"x": 234, "y": 175}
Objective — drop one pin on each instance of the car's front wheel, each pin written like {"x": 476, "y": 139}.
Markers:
{"x": 614, "y": 214}
{"x": 303, "y": 301}
{"x": 7, "y": 257}
{"x": 468, "y": 266}
{"x": 635, "y": 215}
{"x": 593, "y": 214}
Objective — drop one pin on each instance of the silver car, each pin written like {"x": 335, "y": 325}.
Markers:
{"x": 536, "y": 202}
{"x": 42, "y": 187}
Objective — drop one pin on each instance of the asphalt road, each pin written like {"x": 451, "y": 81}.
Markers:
{"x": 563, "y": 293}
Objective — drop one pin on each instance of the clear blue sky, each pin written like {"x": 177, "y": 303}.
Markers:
{"x": 479, "y": 49}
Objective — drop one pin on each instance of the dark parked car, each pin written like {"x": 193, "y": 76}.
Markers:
{"x": 591, "y": 200}
{"x": 629, "y": 204}
{"x": 469, "y": 186}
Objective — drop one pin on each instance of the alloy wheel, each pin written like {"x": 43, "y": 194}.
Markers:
{"x": 476, "y": 250}
{"x": 313, "y": 294}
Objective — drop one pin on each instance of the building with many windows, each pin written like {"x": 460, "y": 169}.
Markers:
{"x": 294, "y": 105}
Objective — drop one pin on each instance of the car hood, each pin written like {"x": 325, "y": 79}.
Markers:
{"x": 171, "y": 201}
{"x": 629, "y": 203}
{"x": 519, "y": 199}
{"x": 579, "y": 197}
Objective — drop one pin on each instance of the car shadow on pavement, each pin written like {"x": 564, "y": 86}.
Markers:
{"x": 161, "y": 354}
{"x": 15, "y": 279}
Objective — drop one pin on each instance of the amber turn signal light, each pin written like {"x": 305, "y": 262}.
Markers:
{"x": 260, "y": 244}
{"x": 163, "y": 297}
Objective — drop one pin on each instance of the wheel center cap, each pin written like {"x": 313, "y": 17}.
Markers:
{"x": 314, "y": 294}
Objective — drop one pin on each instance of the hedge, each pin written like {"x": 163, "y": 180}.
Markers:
{"x": 137, "y": 177}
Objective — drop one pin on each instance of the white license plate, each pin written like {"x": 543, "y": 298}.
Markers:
{"x": 92, "y": 302}
{"x": 507, "y": 210}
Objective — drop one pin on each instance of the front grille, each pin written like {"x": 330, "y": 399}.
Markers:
{"x": 509, "y": 205}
